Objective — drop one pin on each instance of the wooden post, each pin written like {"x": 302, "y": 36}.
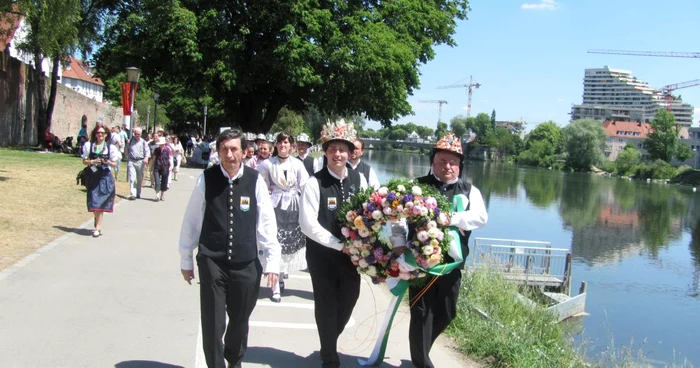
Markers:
{"x": 567, "y": 275}
{"x": 584, "y": 287}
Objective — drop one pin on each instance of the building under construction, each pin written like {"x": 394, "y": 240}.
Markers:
{"x": 614, "y": 94}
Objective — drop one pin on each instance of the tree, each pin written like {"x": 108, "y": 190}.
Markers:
{"x": 52, "y": 33}
{"x": 457, "y": 125}
{"x": 549, "y": 133}
{"x": 441, "y": 130}
{"x": 584, "y": 138}
{"x": 258, "y": 56}
{"x": 482, "y": 128}
{"x": 398, "y": 134}
{"x": 493, "y": 119}
{"x": 663, "y": 142}
{"x": 627, "y": 160}
{"x": 289, "y": 121}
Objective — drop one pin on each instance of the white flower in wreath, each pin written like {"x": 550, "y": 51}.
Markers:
{"x": 422, "y": 236}
{"x": 363, "y": 233}
{"x": 385, "y": 203}
{"x": 423, "y": 211}
{"x": 364, "y": 253}
{"x": 377, "y": 214}
{"x": 357, "y": 243}
{"x": 433, "y": 233}
{"x": 354, "y": 251}
{"x": 372, "y": 271}
{"x": 442, "y": 219}
{"x": 387, "y": 211}
{"x": 348, "y": 216}
{"x": 432, "y": 224}
{"x": 383, "y": 191}
{"x": 401, "y": 188}
{"x": 416, "y": 190}
{"x": 427, "y": 250}
{"x": 362, "y": 263}
{"x": 355, "y": 259}
{"x": 377, "y": 226}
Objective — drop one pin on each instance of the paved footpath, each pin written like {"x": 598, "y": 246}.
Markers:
{"x": 119, "y": 301}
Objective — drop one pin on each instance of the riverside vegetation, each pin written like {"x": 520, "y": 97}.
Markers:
{"x": 514, "y": 334}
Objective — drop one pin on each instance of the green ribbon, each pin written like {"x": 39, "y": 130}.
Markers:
{"x": 377, "y": 356}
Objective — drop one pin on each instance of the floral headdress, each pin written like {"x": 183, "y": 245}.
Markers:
{"x": 450, "y": 143}
{"x": 338, "y": 131}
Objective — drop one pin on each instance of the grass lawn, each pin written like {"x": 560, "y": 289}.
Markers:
{"x": 40, "y": 200}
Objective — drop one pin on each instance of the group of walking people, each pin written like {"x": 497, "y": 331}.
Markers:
{"x": 284, "y": 208}
{"x": 159, "y": 157}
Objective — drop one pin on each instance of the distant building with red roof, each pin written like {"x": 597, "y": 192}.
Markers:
{"x": 79, "y": 77}
{"x": 620, "y": 133}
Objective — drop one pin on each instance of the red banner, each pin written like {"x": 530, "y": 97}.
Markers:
{"x": 126, "y": 101}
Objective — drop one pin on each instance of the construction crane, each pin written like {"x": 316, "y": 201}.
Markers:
{"x": 666, "y": 90}
{"x": 440, "y": 103}
{"x": 469, "y": 92}
{"x": 694, "y": 55}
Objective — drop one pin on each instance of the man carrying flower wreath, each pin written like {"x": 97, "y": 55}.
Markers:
{"x": 335, "y": 280}
{"x": 434, "y": 307}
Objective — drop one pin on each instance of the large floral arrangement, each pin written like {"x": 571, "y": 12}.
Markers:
{"x": 364, "y": 219}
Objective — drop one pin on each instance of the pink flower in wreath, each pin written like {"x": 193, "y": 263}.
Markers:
{"x": 353, "y": 235}
{"x": 431, "y": 203}
{"x": 345, "y": 231}
{"x": 387, "y": 210}
{"x": 416, "y": 210}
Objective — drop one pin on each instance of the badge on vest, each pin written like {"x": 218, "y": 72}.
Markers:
{"x": 245, "y": 204}
{"x": 332, "y": 203}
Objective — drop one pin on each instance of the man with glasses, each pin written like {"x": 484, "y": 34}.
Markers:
{"x": 435, "y": 308}
{"x": 138, "y": 154}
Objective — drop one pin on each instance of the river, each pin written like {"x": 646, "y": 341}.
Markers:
{"x": 636, "y": 244}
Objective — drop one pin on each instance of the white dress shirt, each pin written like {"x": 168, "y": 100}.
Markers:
{"x": 266, "y": 224}
{"x": 373, "y": 181}
{"x": 308, "y": 212}
{"x": 475, "y": 217}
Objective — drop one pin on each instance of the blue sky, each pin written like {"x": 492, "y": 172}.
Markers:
{"x": 530, "y": 56}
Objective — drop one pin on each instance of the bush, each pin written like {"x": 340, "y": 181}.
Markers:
{"x": 610, "y": 167}
{"x": 658, "y": 169}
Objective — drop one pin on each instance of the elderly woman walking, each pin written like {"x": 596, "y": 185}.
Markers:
{"x": 100, "y": 156}
{"x": 163, "y": 161}
{"x": 285, "y": 176}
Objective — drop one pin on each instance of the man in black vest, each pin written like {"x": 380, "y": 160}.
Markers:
{"x": 229, "y": 213}
{"x": 303, "y": 145}
{"x": 435, "y": 309}
{"x": 361, "y": 166}
{"x": 335, "y": 279}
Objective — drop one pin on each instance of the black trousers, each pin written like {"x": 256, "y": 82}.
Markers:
{"x": 336, "y": 286}
{"x": 226, "y": 288}
{"x": 431, "y": 315}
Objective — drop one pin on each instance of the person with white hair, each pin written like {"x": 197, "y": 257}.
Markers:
{"x": 137, "y": 155}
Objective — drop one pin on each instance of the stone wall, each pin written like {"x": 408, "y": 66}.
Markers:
{"x": 19, "y": 108}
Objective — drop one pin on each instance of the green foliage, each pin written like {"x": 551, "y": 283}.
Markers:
{"x": 549, "y": 133}
{"x": 515, "y": 334}
{"x": 584, "y": 138}
{"x": 482, "y": 128}
{"x": 441, "y": 130}
{"x": 258, "y": 57}
{"x": 658, "y": 169}
{"x": 398, "y": 134}
{"x": 663, "y": 142}
{"x": 627, "y": 160}
{"x": 458, "y": 125}
{"x": 288, "y": 121}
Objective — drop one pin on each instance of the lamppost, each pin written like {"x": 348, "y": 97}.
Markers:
{"x": 129, "y": 95}
{"x": 148, "y": 119}
{"x": 205, "y": 121}
{"x": 155, "y": 112}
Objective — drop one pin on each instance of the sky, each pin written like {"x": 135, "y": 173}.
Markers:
{"x": 530, "y": 56}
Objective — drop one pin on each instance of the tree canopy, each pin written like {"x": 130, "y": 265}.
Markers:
{"x": 584, "y": 138}
{"x": 256, "y": 57}
{"x": 663, "y": 142}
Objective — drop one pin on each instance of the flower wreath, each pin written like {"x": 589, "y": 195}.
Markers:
{"x": 426, "y": 212}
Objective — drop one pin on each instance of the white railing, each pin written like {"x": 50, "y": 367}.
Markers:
{"x": 530, "y": 262}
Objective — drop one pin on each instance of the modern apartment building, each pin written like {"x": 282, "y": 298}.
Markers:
{"x": 614, "y": 94}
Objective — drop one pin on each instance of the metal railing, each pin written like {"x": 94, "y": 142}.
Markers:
{"x": 529, "y": 262}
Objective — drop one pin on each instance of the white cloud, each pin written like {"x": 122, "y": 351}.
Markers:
{"x": 543, "y": 5}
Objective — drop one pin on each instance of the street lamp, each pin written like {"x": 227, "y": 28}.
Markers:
{"x": 148, "y": 119}
{"x": 129, "y": 95}
{"x": 205, "y": 121}
{"x": 155, "y": 111}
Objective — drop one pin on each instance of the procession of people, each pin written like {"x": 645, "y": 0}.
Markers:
{"x": 259, "y": 211}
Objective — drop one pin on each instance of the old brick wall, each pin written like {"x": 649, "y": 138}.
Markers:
{"x": 18, "y": 107}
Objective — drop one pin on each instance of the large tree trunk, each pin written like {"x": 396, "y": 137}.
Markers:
{"x": 257, "y": 115}
{"x": 41, "y": 123}
{"x": 54, "y": 87}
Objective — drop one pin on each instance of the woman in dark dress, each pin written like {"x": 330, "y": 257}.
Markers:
{"x": 101, "y": 157}
{"x": 163, "y": 161}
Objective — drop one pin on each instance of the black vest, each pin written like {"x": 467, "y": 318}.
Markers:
{"x": 449, "y": 191}
{"x": 230, "y": 216}
{"x": 308, "y": 164}
{"x": 332, "y": 194}
{"x": 363, "y": 169}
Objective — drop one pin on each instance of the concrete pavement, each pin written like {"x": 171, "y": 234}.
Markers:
{"x": 119, "y": 301}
